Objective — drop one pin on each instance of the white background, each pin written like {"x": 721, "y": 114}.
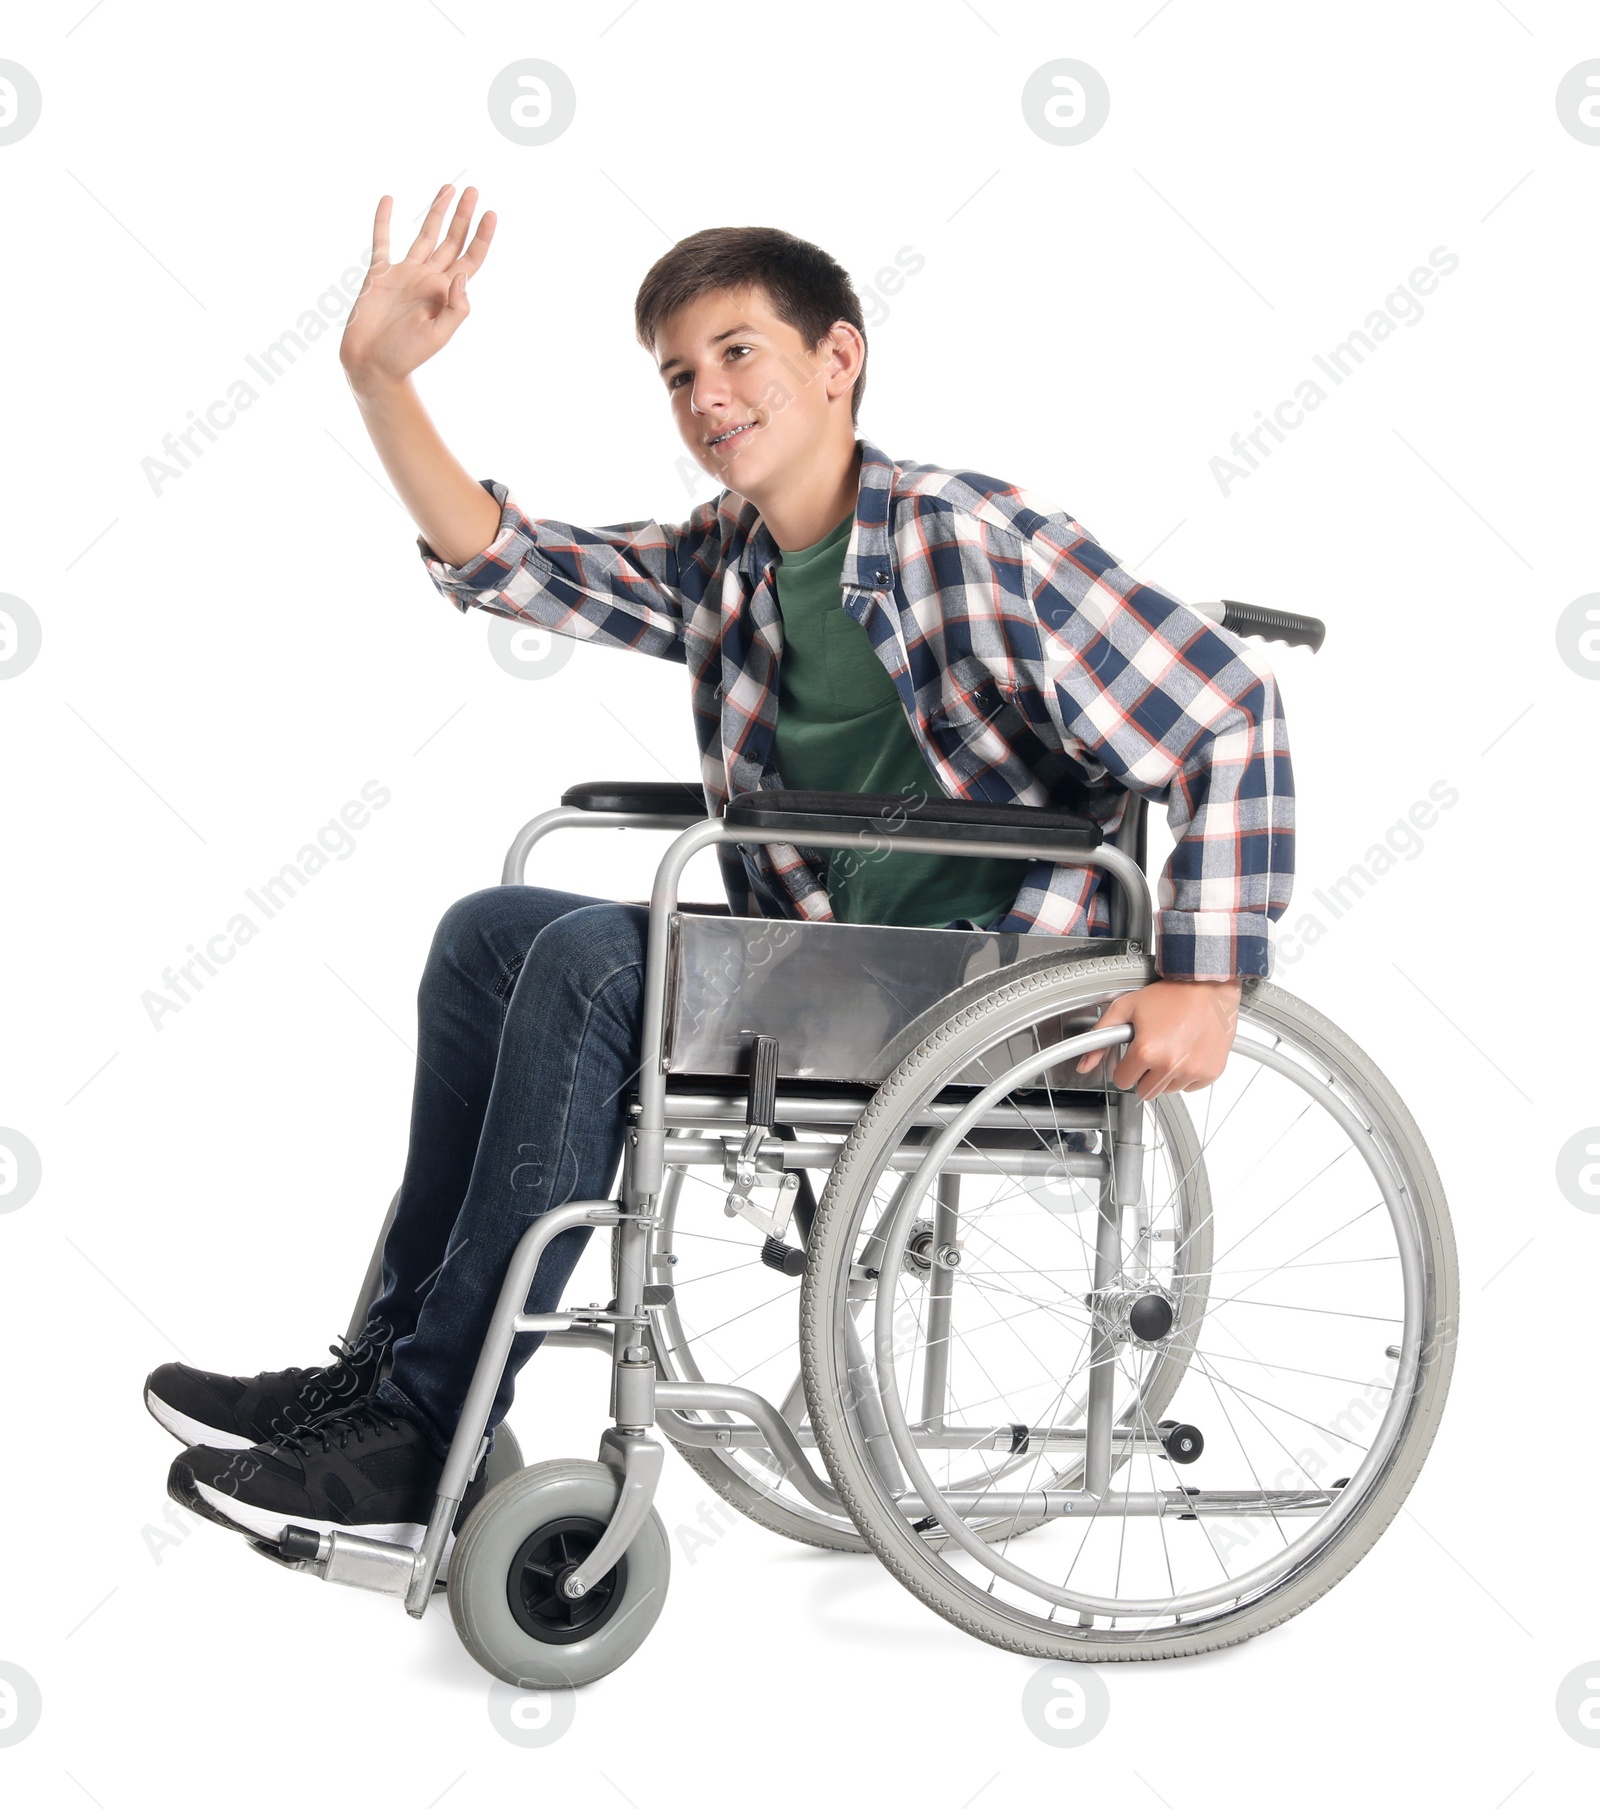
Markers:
{"x": 225, "y": 663}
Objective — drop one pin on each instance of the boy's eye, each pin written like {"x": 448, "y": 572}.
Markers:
{"x": 679, "y": 376}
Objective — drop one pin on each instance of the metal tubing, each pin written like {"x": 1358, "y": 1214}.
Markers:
{"x": 1129, "y": 1149}
{"x": 1130, "y": 838}
{"x": 807, "y": 1110}
{"x": 1102, "y": 1348}
{"x": 775, "y": 1153}
{"x": 552, "y": 1324}
{"x": 947, "y": 1438}
{"x": 941, "y": 1290}
{"x": 365, "y": 1563}
{"x": 1119, "y": 1191}
{"x": 570, "y": 817}
{"x": 1053, "y": 1503}
{"x": 778, "y": 1436}
{"x": 468, "y": 1440}
{"x": 647, "y": 1143}
{"x": 582, "y": 1337}
{"x": 1107, "y": 856}
{"x": 632, "y": 1251}
{"x": 634, "y": 1394}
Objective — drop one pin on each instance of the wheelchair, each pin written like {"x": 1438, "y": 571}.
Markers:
{"x": 1096, "y": 1378}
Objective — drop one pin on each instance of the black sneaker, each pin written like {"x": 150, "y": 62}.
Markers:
{"x": 231, "y": 1413}
{"x": 361, "y": 1469}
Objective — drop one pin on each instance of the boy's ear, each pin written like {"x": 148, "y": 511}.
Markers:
{"x": 847, "y": 348}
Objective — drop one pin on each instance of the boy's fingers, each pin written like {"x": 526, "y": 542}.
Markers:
{"x": 424, "y": 242}
{"x": 456, "y": 298}
{"x": 1119, "y": 1011}
{"x": 471, "y": 260}
{"x": 475, "y": 253}
{"x": 455, "y": 236}
{"x": 380, "y": 231}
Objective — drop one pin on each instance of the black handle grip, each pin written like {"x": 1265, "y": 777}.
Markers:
{"x": 762, "y": 1104}
{"x": 1273, "y": 624}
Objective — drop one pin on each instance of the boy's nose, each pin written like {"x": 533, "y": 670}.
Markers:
{"x": 708, "y": 393}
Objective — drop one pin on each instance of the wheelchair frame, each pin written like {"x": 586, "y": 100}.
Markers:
{"x": 680, "y": 1130}
{"x": 638, "y": 1399}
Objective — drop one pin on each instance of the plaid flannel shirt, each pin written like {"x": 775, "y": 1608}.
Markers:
{"x": 1032, "y": 668}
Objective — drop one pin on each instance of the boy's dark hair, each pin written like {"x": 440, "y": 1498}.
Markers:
{"x": 805, "y": 287}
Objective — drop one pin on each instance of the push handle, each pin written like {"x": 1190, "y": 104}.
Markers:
{"x": 1273, "y": 624}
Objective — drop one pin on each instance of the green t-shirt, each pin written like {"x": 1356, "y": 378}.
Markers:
{"x": 841, "y": 727}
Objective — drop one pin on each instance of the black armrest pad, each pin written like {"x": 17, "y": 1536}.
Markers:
{"x": 799, "y": 813}
{"x": 667, "y": 799}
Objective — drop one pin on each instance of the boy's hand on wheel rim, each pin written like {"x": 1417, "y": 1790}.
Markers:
{"x": 1182, "y": 1032}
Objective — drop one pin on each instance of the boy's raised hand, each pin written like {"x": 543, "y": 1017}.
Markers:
{"x": 407, "y": 311}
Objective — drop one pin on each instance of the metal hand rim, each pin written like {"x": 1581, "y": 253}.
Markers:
{"x": 1236, "y": 1589}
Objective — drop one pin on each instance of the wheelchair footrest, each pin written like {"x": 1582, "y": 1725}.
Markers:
{"x": 341, "y": 1557}
{"x": 278, "y": 1556}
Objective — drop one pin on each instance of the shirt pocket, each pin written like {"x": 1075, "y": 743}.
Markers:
{"x": 855, "y": 675}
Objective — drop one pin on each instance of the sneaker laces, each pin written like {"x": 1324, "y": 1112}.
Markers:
{"x": 359, "y": 1419}
{"x": 328, "y": 1383}
{"x": 371, "y": 1343}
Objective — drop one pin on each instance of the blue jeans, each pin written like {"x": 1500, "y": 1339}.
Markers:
{"x": 527, "y": 1044}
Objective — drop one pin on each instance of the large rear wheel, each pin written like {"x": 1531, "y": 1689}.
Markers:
{"x": 1308, "y": 1354}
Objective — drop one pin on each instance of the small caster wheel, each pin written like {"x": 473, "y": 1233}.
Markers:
{"x": 1183, "y": 1444}
{"x": 519, "y": 1545}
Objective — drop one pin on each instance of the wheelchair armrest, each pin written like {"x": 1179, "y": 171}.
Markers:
{"x": 801, "y": 813}
{"x": 646, "y": 799}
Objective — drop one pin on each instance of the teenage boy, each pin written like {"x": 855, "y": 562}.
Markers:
{"x": 849, "y": 623}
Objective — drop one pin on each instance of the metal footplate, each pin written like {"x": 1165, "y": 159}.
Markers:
{"x": 346, "y": 1558}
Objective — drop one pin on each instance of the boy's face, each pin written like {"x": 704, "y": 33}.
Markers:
{"x": 728, "y": 363}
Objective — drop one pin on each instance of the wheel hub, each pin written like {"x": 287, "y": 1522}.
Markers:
{"x": 1144, "y": 1315}
{"x": 923, "y": 1254}
{"x": 537, "y": 1577}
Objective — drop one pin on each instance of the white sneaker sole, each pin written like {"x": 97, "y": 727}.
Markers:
{"x": 192, "y": 1431}
{"x": 261, "y": 1523}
